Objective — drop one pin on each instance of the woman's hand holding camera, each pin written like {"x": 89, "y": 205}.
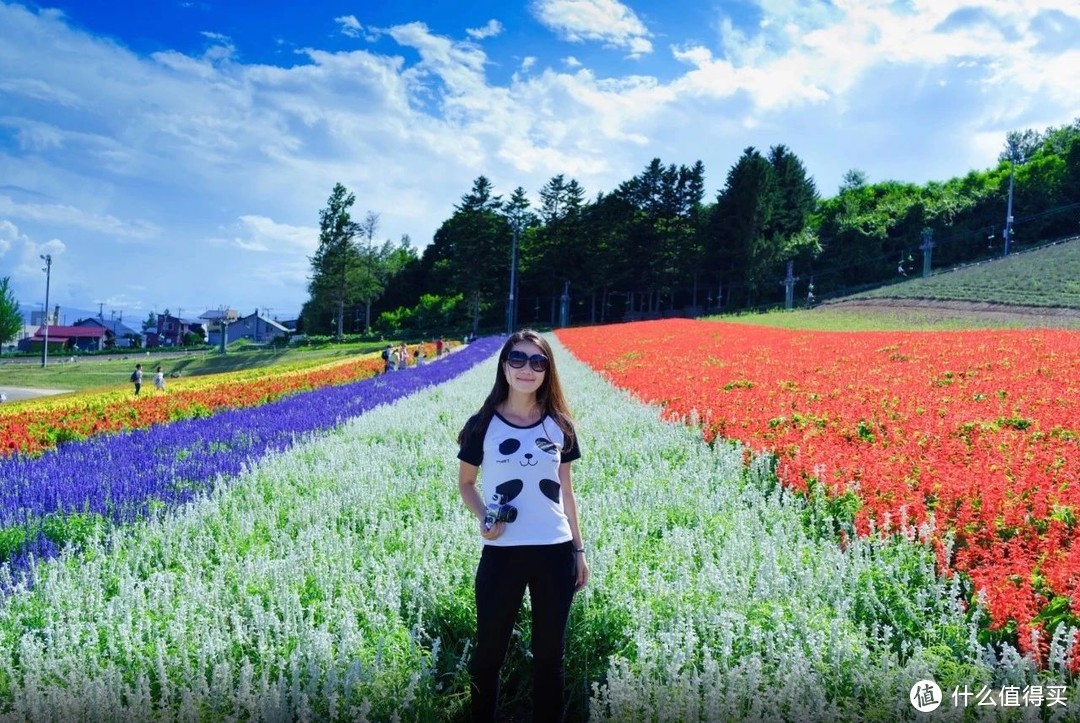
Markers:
{"x": 493, "y": 532}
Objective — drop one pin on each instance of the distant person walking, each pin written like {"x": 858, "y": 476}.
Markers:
{"x": 159, "y": 379}
{"x": 386, "y": 354}
{"x": 438, "y": 348}
{"x": 136, "y": 378}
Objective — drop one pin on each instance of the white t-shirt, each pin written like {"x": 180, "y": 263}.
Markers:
{"x": 522, "y": 463}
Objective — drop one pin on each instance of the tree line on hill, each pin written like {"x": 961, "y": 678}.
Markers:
{"x": 655, "y": 245}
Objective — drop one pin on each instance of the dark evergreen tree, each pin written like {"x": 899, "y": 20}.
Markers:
{"x": 334, "y": 267}
{"x": 742, "y": 213}
{"x": 470, "y": 255}
{"x": 521, "y": 220}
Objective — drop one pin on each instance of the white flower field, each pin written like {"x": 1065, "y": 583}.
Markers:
{"x": 334, "y": 582}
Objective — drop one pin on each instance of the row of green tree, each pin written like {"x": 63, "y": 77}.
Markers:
{"x": 655, "y": 245}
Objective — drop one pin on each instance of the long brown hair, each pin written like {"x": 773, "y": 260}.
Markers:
{"x": 549, "y": 396}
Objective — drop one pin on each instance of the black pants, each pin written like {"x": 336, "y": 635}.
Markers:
{"x": 549, "y": 572}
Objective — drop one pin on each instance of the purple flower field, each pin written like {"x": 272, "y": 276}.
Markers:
{"x": 122, "y": 477}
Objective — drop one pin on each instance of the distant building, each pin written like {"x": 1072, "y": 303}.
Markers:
{"x": 21, "y": 342}
{"x": 116, "y": 334}
{"x": 66, "y": 338}
{"x": 255, "y": 327}
{"x": 213, "y": 317}
{"x": 171, "y": 330}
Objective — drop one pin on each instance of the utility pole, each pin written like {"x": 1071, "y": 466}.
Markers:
{"x": 927, "y": 247}
{"x": 510, "y": 309}
{"x": 1008, "y": 210}
{"x": 223, "y": 322}
{"x": 47, "y": 258}
{"x": 789, "y": 286}
{"x": 564, "y": 307}
{"x": 266, "y": 312}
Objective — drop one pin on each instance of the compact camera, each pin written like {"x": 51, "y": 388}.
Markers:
{"x": 499, "y": 511}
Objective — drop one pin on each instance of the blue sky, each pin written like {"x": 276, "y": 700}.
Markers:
{"x": 175, "y": 154}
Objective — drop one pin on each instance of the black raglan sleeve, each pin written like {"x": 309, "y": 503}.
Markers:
{"x": 472, "y": 450}
{"x": 572, "y": 451}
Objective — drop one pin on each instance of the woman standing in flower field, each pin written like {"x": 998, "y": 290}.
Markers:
{"x": 523, "y": 437}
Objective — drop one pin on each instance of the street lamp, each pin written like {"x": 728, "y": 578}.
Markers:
{"x": 47, "y": 258}
{"x": 223, "y": 328}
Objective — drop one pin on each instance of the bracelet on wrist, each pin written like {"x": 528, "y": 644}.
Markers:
{"x": 579, "y": 549}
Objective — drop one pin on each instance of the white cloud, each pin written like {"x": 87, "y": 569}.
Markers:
{"x": 122, "y": 301}
{"x": 53, "y": 246}
{"x": 9, "y": 234}
{"x": 39, "y": 90}
{"x": 606, "y": 21}
{"x": 24, "y": 262}
{"x": 493, "y": 28}
{"x": 229, "y": 162}
{"x": 810, "y": 53}
{"x": 78, "y": 218}
{"x": 36, "y": 136}
{"x": 349, "y": 25}
{"x": 260, "y": 233}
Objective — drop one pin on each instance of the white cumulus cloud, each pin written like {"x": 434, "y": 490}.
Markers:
{"x": 349, "y": 25}
{"x": 606, "y": 21}
{"x": 493, "y": 28}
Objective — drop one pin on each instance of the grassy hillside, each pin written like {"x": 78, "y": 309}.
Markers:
{"x": 866, "y": 316}
{"x": 1034, "y": 289}
{"x": 1047, "y": 277}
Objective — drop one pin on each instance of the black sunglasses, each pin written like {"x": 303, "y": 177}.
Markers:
{"x": 537, "y": 362}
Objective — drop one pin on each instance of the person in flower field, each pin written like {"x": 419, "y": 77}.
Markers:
{"x": 136, "y": 378}
{"x": 524, "y": 441}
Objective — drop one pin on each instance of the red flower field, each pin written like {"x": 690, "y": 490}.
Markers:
{"x": 976, "y": 430}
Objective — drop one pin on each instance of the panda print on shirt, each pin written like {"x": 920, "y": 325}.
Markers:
{"x": 510, "y": 489}
{"x": 520, "y": 467}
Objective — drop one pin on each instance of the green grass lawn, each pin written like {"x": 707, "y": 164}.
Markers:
{"x": 89, "y": 372}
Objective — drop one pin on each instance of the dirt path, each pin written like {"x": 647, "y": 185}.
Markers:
{"x": 14, "y": 394}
